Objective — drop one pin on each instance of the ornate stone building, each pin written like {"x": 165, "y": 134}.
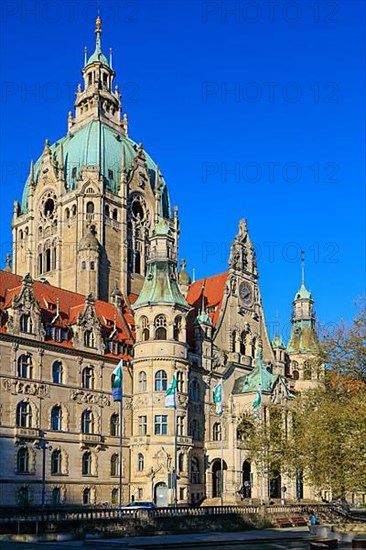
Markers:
{"x": 94, "y": 281}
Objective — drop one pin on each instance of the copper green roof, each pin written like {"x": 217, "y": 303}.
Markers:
{"x": 303, "y": 338}
{"x": 303, "y": 294}
{"x": 203, "y": 318}
{"x": 277, "y": 342}
{"x": 96, "y": 144}
{"x": 259, "y": 377}
{"x": 161, "y": 286}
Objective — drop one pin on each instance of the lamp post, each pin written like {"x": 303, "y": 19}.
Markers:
{"x": 43, "y": 445}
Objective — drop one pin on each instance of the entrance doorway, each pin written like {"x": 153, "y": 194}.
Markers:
{"x": 217, "y": 477}
{"x": 246, "y": 480}
{"x": 161, "y": 494}
{"x": 275, "y": 482}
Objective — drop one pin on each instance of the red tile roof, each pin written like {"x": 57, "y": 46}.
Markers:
{"x": 213, "y": 291}
{"x": 70, "y": 305}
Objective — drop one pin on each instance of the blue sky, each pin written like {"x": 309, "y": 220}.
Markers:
{"x": 251, "y": 109}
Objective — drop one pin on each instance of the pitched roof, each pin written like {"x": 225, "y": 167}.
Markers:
{"x": 213, "y": 290}
{"x": 70, "y": 305}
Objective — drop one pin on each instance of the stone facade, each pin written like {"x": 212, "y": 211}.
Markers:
{"x": 95, "y": 281}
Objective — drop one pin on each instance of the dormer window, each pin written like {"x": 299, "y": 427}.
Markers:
{"x": 26, "y": 324}
{"x": 89, "y": 340}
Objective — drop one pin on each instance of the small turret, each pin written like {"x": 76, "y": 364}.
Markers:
{"x": 88, "y": 259}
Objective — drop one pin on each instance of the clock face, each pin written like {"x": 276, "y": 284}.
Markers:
{"x": 245, "y": 293}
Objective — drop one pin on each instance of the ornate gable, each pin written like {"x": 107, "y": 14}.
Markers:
{"x": 88, "y": 329}
{"x": 25, "y": 315}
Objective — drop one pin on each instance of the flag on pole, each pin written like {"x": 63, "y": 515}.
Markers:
{"x": 257, "y": 402}
{"x": 170, "y": 394}
{"x": 117, "y": 382}
{"x": 217, "y": 395}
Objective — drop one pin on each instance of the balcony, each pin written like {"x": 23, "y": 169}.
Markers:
{"x": 27, "y": 433}
{"x": 91, "y": 439}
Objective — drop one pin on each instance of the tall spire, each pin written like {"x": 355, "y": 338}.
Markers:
{"x": 98, "y": 55}
{"x": 302, "y": 268}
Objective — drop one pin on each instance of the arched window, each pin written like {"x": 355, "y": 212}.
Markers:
{"x": 180, "y": 381}
{"x": 115, "y": 214}
{"x": 40, "y": 264}
{"x": 87, "y": 422}
{"x": 114, "y": 496}
{"x": 145, "y": 328}
{"x": 307, "y": 370}
{"x": 233, "y": 341}
{"x": 194, "y": 429}
{"x": 195, "y": 470}
{"x": 56, "y": 418}
{"x": 57, "y": 372}
{"x": 295, "y": 374}
{"x": 90, "y": 207}
{"x": 83, "y": 265}
{"x": 88, "y": 378}
{"x": 194, "y": 390}
{"x": 24, "y": 415}
{"x": 86, "y": 464}
{"x": 137, "y": 261}
{"x": 56, "y": 462}
{"x": 114, "y": 465}
{"x": 23, "y": 461}
{"x": 26, "y": 324}
{"x": 181, "y": 462}
{"x": 216, "y": 431}
{"x": 56, "y": 496}
{"x": 92, "y": 268}
{"x": 89, "y": 340}
{"x": 177, "y": 328}
{"x": 67, "y": 214}
{"x": 25, "y": 366}
{"x": 114, "y": 425}
{"x": 47, "y": 258}
{"x": 74, "y": 209}
{"x": 87, "y": 495}
{"x": 243, "y": 338}
{"x": 107, "y": 211}
{"x": 160, "y": 327}
{"x": 140, "y": 462}
{"x": 142, "y": 381}
{"x": 161, "y": 381}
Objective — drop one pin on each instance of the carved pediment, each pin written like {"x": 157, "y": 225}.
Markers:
{"x": 88, "y": 329}
{"x": 25, "y": 314}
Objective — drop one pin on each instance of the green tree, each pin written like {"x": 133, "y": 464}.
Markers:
{"x": 328, "y": 440}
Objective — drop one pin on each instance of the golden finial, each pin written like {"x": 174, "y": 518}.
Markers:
{"x": 98, "y": 25}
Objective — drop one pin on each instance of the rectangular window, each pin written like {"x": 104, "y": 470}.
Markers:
{"x": 161, "y": 424}
{"x": 140, "y": 493}
{"x": 180, "y": 425}
{"x": 142, "y": 425}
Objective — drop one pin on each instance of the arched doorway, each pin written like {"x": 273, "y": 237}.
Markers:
{"x": 275, "y": 482}
{"x": 216, "y": 477}
{"x": 161, "y": 494}
{"x": 246, "y": 480}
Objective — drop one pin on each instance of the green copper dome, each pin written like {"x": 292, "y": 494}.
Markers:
{"x": 303, "y": 293}
{"x": 96, "y": 144}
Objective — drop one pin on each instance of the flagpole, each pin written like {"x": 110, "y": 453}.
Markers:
{"x": 120, "y": 451}
{"x": 175, "y": 456}
{"x": 222, "y": 459}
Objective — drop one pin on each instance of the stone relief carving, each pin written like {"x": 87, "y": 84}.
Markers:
{"x": 27, "y": 388}
{"x": 83, "y": 397}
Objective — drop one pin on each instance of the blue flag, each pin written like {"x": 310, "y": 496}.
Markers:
{"x": 117, "y": 378}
